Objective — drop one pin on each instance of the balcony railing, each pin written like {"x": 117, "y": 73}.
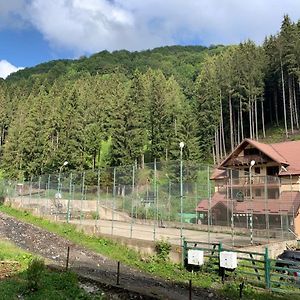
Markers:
{"x": 245, "y": 160}
{"x": 255, "y": 180}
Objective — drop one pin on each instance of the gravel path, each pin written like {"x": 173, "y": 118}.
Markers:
{"x": 91, "y": 265}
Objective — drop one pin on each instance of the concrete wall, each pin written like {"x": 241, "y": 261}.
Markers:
{"x": 142, "y": 246}
{"x": 148, "y": 247}
{"x": 274, "y": 249}
{"x": 218, "y": 229}
{"x": 42, "y": 207}
{"x": 86, "y": 207}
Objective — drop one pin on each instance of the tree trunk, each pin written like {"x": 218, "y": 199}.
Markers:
{"x": 250, "y": 119}
{"x": 291, "y": 104}
{"x": 216, "y": 146}
{"x": 234, "y": 128}
{"x": 284, "y": 100}
{"x": 256, "y": 121}
{"x": 263, "y": 118}
{"x": 220, "y": 142}
{"x": 276, "y": 107}
{"x": 238, "y": 127}
{"x": 214, "y": 154}
{"x": 231, "y": 124}
{"x": 295, "y": 105}
{"x": 222, "y": 124}
{"x": 253, "y": 119}
{"x": 241, "y": 119}
{"x": 219, "y": 145}
{"x": 57, "y": 139}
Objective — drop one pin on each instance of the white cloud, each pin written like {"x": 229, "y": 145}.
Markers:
{"x": 7, "y": 68}
{"x": 87, "y": 26}
{"x": 8, "y": 12}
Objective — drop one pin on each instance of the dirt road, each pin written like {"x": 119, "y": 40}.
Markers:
{"x": 91, "y": 265}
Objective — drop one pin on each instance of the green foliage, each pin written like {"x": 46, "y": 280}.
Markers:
{"x": 31, "y": 280}
{"x": 12, "y": 253}
{"x": 105, "y": 153}
{"x": 122, "y": 108}
{"x": 162, "y": 249}
{"x": 35, "y": 270}
{"x": 65, "y": 285}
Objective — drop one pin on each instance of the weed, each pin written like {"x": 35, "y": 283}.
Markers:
{"x": 155, "y": 265}
{"x": 162, "y": 249}
{"x": 34, "y": 272}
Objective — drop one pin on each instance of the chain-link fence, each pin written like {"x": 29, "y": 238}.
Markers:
{"x": 167, "y": 201}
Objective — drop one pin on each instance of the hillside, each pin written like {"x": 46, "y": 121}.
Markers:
{"x": 180, "y": 61}
{"x": 125, "y": 108}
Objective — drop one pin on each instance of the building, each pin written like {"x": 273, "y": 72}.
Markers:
{"x": 257, "y": 182}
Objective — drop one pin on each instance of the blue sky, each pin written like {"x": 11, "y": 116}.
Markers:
{"x": 36, "y": 31}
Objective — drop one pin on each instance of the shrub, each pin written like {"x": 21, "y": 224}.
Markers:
{"x": 34, "y": 272}
{"x": 162, "y": 249}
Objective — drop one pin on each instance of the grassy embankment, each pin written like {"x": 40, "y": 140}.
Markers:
{"x": 154, "y": 265}
{"x": 276, "y": 134}
{"x": 15, "y": 283}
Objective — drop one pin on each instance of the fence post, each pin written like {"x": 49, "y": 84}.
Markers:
{"x": 267, "y": 268}
{"x": 154, "y": 201}
{"x": 82, "y": 196}
{"x": 69, "y": 199}
{"x": 22, "y": 193}
{"x": 68, "y": 257}
{"x": 30, "y": 189}
{"x": 132, "y": 195}
{"x": 114, "y": 202}
{"x": 118, "y": 273}
{"x": 183, "y": 251}
{"x": 220, "y": 249}
{"x": 98, "y": 199}
{"x": 40, "y": 179}
{"x": 209, "y": 205}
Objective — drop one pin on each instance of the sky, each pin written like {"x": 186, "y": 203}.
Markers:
{"x": 36, "y": 31}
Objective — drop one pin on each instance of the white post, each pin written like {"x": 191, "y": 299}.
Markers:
{"x": 181, "y": 145}
{"x": 252, "y": 163}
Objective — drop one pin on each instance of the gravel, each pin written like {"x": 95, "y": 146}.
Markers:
{"x": 94, "y": 268}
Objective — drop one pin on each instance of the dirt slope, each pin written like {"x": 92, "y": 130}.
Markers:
{"x": 91, "y": 265}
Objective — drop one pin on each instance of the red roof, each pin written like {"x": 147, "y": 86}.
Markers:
{"x": 291, "y": 152}
{"x": 288, "y": 203}
{"x": 285, "y": 153}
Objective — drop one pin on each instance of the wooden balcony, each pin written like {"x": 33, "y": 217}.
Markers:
{"x": 256, "y": 180}
{"x": 245, "y": 160}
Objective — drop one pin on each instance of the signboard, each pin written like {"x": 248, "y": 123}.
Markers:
{"x": 228, "y": 260}
{"x": 195, "y": 257}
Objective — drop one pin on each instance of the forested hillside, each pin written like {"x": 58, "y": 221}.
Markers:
{"x": 118, "y": 108}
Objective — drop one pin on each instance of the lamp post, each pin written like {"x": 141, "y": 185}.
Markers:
{"x": 252, "y": 163}
{"x": 181, "y": 145}
{"x": 58, "y": 194}
{"x": 59, "y": 175}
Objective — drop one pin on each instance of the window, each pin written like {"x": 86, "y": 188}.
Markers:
{"x": 272, "y": 171}
{"x": 273, "y": 193}
{"x": 251, "y": 151}
{"x": 235, "y": 173}
{"x": 258, "y": 193}
{"x": 257, "y": 170}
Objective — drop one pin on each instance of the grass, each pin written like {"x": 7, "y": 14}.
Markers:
{"x": 53, "y": 285}
{"x": 153, "y": 265}
{"x": 276, "y": 134}
{"x": 9, "y": 252}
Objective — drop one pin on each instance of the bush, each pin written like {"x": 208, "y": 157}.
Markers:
{"x": 162, "y": 249}
{"x": 34, "y": 273}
